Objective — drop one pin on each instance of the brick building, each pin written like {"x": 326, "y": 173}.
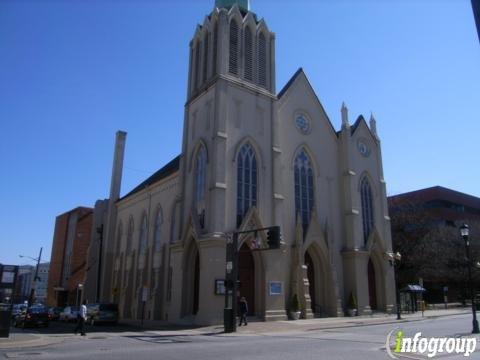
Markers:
{"x": 425, "y": 228}
{"x": 71, "y": 240}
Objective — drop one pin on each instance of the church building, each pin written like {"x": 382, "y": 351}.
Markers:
{"x": 251, "y": 158}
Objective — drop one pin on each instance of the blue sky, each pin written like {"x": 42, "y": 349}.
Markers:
{"x": 74, "y": 72}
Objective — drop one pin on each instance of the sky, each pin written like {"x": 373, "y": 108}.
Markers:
{"x": 74, "y": 72}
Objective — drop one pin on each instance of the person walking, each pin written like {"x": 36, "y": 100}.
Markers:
{"x": 81, "y": 318}
{"x": 243, "y": 309}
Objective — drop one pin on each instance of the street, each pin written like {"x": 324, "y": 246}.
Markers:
{"x": 356, "y": 342}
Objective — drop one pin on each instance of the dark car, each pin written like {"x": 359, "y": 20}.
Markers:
{"x": 34, "y": 316}
{"x": 102, "y": 313}
{"x": 55, "y": 313}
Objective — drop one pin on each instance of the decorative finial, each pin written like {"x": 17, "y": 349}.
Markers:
{"x": 345, "y": 116}
{"x": 373, "y": 124}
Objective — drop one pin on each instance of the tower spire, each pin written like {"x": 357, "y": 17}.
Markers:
{"x": 242, "y": 4}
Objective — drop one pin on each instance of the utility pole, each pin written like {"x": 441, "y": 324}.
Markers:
{"x": 32, "y": 291}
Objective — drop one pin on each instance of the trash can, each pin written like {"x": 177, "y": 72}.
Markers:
{"x": 5, "y": 316}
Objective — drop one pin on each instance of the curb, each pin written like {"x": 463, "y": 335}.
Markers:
{"x": 42, "y": 340}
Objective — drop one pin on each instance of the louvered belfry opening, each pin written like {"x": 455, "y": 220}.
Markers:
{"x": 214, "y": 57}
{"x": 197, "y": 65}
{"x": 233, "y": 61}
{"x": 262, "y": 60}
{"x": 248, "y": 54}
{"x": 205, "y": 57}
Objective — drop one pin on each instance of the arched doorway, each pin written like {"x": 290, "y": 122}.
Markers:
{"x": 246, "y": 276}
{"x": 191, "y": 280}
{"x": 311, "y": 280}
{"x": 372, "y": 286}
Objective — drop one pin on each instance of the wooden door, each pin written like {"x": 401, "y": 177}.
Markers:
{"x": 246, "y": 275}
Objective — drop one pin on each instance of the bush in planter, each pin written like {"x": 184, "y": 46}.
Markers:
{"x": 294, "y": 308}
{"x": 352, "y": 304}
{"x": 294, "y": 305}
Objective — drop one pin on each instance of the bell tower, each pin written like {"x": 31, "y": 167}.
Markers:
{"x": 233, "y": 43}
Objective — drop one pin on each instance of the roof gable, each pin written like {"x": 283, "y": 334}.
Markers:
{"x": 299, "y": 76}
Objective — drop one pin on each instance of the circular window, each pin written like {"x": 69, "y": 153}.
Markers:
{"x": 302, "y": 123}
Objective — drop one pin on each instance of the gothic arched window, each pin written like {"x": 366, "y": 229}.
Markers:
{"x": 246, "y": 181}
{"x": 304, "y": 191}
{"x": 248, "y": 54}
{"x": 142, "y": 245}
{"x": 367, "y": 208}
{"x": 233, "y": 52}
{"x": 130, "y": 235}
{"x": 262, "y": 60}
{"x": 200, "y": 184}
{"x": 157, "y": 236}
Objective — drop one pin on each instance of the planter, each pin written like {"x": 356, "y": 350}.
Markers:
{"x": 352, "y": 312}
{"x": 295, "y": 315}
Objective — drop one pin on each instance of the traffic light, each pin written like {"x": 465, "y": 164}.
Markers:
{"x": 273, "y": 237}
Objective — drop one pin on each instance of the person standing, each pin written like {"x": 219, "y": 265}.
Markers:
{"x": 243, "y": 309}
{"x": 81, "y": 318}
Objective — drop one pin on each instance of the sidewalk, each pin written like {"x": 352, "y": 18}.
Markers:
{"x": 19, "y": 339}
{"x": 256, "y": 327}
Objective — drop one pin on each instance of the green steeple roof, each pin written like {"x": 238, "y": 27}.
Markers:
{"x": 242, "y": 4}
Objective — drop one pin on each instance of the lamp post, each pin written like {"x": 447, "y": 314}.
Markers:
{"x": 32, "y": 291}
{"x": 394, "y": 259}
{"x": 465, "y": 232}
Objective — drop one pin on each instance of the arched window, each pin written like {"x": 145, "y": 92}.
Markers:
{"x": 130, "y": 235}
{"x": 248, "y": 39}
{"x": 367, "y": 208}
{"x": 200, "y": 184}
{"x": 205, "y": 57}
{"x": 233, "y": 60}
{"x": 142, "y": 244}
{"x": 119, "y": 238}
{"x": 262, "y": 60}
{"x": 157, "y": 236}
{"x": 246, "y": 181}
{"x": 304, "y": 191}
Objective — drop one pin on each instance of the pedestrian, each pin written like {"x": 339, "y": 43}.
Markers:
{"x": 243, "y": 309}
{"x": 81, "y": 318}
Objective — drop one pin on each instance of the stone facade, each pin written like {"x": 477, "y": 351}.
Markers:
{"x": 251, "y": 158}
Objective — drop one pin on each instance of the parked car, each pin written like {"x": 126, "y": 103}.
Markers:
{"x": 55, "y": 313}
{"x": 17, "y": 309}
{"x": 102, "y": 313}
{"x": 34, "y": 316}
{"x": 70, "y": 313}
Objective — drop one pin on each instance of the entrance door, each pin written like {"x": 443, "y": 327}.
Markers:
{"x": 311, "y": 280}
{"x": 372, "y": 286}
{"x": 246, "y": 275}
{"x": 196, "y": 285}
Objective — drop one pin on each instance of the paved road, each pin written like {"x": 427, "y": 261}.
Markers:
{"x": 361, "y": 342}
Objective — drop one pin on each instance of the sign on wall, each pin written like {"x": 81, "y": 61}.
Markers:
{"x": 275, "y": 288}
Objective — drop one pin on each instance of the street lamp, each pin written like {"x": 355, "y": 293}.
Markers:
{"x": 32, "y": 291}
{"x": 394, "y": 259}
{"x": 464, "y": 232}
